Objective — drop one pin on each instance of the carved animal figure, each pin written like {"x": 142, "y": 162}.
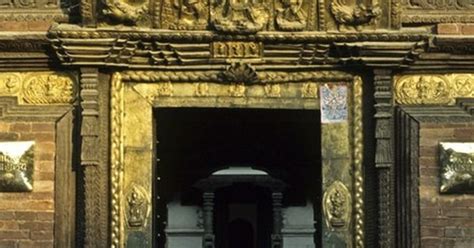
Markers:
{"x": 348, "y": 13}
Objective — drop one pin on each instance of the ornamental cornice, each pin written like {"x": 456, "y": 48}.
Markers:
{"x": 77, "y": 32}
{"x": 140, "y": 48}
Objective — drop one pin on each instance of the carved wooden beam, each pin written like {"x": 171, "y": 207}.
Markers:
{"x": 165, "y": 49}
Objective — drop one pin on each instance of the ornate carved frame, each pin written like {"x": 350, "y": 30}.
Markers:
{"x": 135, "y": 94}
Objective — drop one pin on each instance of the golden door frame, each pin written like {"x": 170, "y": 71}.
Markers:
{"x": 132, "y": 146}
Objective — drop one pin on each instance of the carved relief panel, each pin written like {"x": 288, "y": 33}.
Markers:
{"x": 429, "y": 11}
{"x": 34, "y": 10}
{"x": 225, "y": 16}
{"x": 354, "y": 16}
{"x": 251, "y": 16}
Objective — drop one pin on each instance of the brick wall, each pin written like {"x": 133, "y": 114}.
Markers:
{"x": 446, "y": 220}
{"x": 27, "y": 219}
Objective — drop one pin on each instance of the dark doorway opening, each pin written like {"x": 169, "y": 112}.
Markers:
{"x": 245, "y": 208}
{"x": 192, "y": 143}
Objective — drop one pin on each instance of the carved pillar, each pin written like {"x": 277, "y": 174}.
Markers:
{"x": 277, "y": 220}
{"x": 90, "y": 116}
{"x": 90, "y": 155}
{"x": 384, "y": 155}
{"x": 208, "y": 216}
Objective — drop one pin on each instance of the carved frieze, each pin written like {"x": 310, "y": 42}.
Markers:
{"x": 457, "y": 167}
{"x": 441, "y": 4}
{"x": 32, "y": 10}
{"x": 428, "y": 11}
{"x": 236, "y": 16}
{"x": 433, "y": 89}
{"x": 38, "y": 88}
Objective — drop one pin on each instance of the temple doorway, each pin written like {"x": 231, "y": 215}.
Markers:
{"x": 249, "y": 149}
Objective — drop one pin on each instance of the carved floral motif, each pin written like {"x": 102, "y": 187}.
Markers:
{"x": 165, "y": 89}
{"x": 237, "y": 90}
{"x": 433, "y": 89}
{"x": 240, "y": 73}
{"x": 309, "y": 90}
{"x": 272, "y": 90}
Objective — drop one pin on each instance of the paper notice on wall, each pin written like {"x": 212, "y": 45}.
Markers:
{"x": 333, "y": 103}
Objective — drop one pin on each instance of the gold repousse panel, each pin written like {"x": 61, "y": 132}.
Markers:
{"x": 433, "y": 88}
{"x": 38, "y": 88}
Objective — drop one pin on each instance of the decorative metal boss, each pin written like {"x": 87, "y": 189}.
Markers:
{"x": 457, "y": 167}
{"x": 16, "y": 166}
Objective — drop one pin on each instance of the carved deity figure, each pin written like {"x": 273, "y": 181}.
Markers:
{"x": 190, "y": 13}
{"x": 136, "y": 209}
{"x": 291, "y": 17}
{"x": 239, "y": 16}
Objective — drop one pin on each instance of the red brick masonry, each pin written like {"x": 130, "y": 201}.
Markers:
{"x": 446, "y": 220}
{"x": 27, "y": 219}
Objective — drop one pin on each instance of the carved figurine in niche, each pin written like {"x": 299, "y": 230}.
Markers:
{"x": 291, "y": 17}
{"x": 351, "y": 15}
{"x": 191, "y": 14}
{"x": 137, "y": 208}
{"x": 337, "y": 200}
{"x": 239, "y": 16}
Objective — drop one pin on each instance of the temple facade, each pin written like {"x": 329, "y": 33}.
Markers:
{"x": 236, "y": 123}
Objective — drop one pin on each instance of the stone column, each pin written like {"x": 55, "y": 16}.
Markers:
{"x": 277, "y": 241}
{"x": 208, "y": 219}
